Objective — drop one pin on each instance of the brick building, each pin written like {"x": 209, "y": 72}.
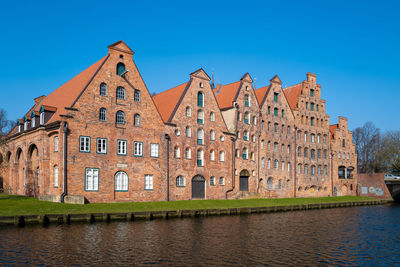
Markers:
{"x": 102, "y": 137}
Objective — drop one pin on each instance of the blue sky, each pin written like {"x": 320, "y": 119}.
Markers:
{"x": 353, "y": 47}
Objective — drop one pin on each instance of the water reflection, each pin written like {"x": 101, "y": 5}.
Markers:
{"x": 348, "y": 236}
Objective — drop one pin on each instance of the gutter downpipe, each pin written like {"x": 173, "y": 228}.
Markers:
{"x": 65, "y": 153}
{"x": 168, "y": 138}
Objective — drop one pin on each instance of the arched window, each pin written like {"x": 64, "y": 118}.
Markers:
{"x": 212, "y": 135}
{"x": 319, "y": 170}
{"x": 247, "y": 117}
{"x": 263, "y": 163}
{"x": 55, "y": 175}
{"x": 221, "y": 156}
{"x": 200, "y": 117}
{"x": 136, "y": 120}
{"x": 319, "y": 153}
{"x": 312, "y": 138}
{"x": 200, "y": 136}
{"x": 312, "y": 154}
{"x": 324, "y": 139}
{"x": 103, "y": 114}
{"x": 312, "y": 92}
{"x": 237, "y": 153}
{"x": 283, "y": 166}
{"x": 269, "y": 145}
{"x": 325, "y": 154}
{"x": 262, "y": 144}
{"x": 305, "y": 152}
{"x": 188, "y": 131}
{"x": 305, "y": 169}
{"x": 177, "y": 152}
{"x": 200, "y": 99}
{"x": 188, "y": 112}
{"x": 288, "y": 166}
{"x": 343, "y": 143}
{"x": 299, "y": 168}
{"x": 318, "y": 138}
{"x": 120, "y": 93}
{"x": 200, "y": 158}
{"x": 180, "y": 181}
{"x": 120, "y": 68}
{"x": 275, "y": 147}
{"x": 212, "y": 116}
{"x": 325, "y": 170}
{"x": 269, "y": 164}
{"x": 245, "y": 154}
{"x": 212, "y": 155}
{"x": 121, "y": 181}
{"x": 136, "y": 96}
{"x": 288, "y": 130}
{"x": 276, "y": 164}
{"x": 298, "y": 135}
{"x": 312, "y": 170}
{"x": 246, "y": 100}
{"x": 246, "y": 135}
{"x": 212, "y": 180}
{"x": 120, "y": 117}
{"x": 270, "y": 183}
{"x": 103, "y": 89}
{"x": 188, "y": 153}
{"x": 288, "y": 149}
{"x": 275, "y": 112}
{"x": 299, "y": 151}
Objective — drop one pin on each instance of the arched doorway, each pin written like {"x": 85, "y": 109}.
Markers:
{"x": 32, "y": 172}
{"x": 198, "y": 187}
{"x": 244, "y": 180}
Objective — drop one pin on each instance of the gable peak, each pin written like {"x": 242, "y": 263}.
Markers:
{"x": 246, "y": 77}
{"x": 276, "y": 79}
{"x": 201, "y": 74}
{"x": 121, "y": 46}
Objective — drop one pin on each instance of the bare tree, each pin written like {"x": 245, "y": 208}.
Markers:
{"x": 5, "y": 125}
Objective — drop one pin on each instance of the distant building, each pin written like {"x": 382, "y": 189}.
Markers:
{"x": 102, "y": 136}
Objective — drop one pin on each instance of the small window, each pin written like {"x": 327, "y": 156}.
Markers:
{"x": 212, "y": 135}
{"x": 177, "y": 152}
{"x": 188, "y": 153}
{"x": 41, "y": 118}
{"x": 188, "y": 131}
{"x": 247, "y": 118}
{"x": 275, "y": 97}
{"x": 222, "y": 138}
{"x": 212, "y": 155}
{"x": 103, "y": 89}
{"x": 120, "y": 68}
{"x": 84, "y": 144}
{"x": 312, "y": 121}
{"x": 180, "y": 181}
{"x": 312, "y": 153}
{"x": 312, "y": 138}
{"x": 221, "y": 156}
{"x": 120, "y": 117}
{"x": 246, "y": 101}
{"x": 177, "y": 132}
{"x": 252, "y": 156}
{"x": 299, "y": 168}
{"x": 275, "y": 112}
{"x": 237, "y": 153}
{"x": 55, "y": 173}
{"x": 137, "y": 95}
{"x": 212, "y": 116}
{"x": 56, "y": 144}
{"x": 212, "y": 180}
{"x": 246, "y": 135}
{"x": 283, "y": 113}
{"x": 121, "y": 181}
{"x": 154, "y": 150}
{"x": 92, "y": 179}
{"x": 103, "y": 114}
{"x": 255, "y": 120}
{"x": 276, "y": 164}
{"x": 245, "y": 154}
{"x": 188, "y": 112}
{"x": 263, "y": 163}
{"x": 305, "y": 152}
{"x": 200, "y": 117}
{"x": 201, "y": 85}
{"x": 221, "y": 181}
{"x": 200, "y": 99}
{"x": 269, "y": 110}
{"x": 101, "y": 145}
{"x": 148, "y": 182}
{"x": 138, "y": 149}
{"x": 120, "y": 93}
{"x": 253, "y": 138}
{"x": 288, "y": 166}
{"x": 136, "y": 120}
{"x": 299, "y": 151}
{"x": 312, "y": 106}
{"x": 121, "y": 147}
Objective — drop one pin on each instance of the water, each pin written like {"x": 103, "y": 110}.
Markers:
{"x": 344, "y": 236}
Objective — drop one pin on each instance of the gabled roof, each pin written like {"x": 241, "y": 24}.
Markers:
{"x": 167, "y": 101}
{"x": 227, "y": 94}
{"x": 121, "y": 46}
{"x": 261, "y": 93}
{"x": 332, "y": 129}
{"x": 292, "y": 94}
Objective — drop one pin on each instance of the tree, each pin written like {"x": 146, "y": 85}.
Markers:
{"x": 5, "y": 125}
{"x": 390, "y": 152}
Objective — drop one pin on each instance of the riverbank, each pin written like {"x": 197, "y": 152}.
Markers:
{"x": 22, "y": 210}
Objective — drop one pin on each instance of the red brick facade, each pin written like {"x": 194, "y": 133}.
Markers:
{"x": 104, "y": 137}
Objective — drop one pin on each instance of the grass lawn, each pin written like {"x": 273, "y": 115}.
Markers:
{"x": 19, "y": 205}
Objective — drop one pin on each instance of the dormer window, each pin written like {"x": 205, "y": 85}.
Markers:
{"x": 26, "y": 124}
{"x": 120, "y": 68}
{"x": 42, "y": 118}
{"x": 19, "y": 126}
{"x": 33, "y": 122}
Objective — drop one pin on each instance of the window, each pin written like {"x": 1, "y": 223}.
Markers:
{"x": 275, "y": 147}
{"x": 200, "y": 158}
{"x": 306, "y": 105}
{"x": 246, "y": 135}
{"x": 339, "y": 155}
{"x": 263, "y": 163}
{"x": 103, "y": 114}
{"x": 221, "y": 181}
{"x": 177, "y": 152}
{"x": 55, "y": 173}
{"x": 120, "y": 117}
{"x": 305, "y": 137}
{"x": 299, "y": 168}
{"x": 312, "y": 138}
{"x": 138, "y": 149}
{"x": 200, "y": 136}
{"x": 312, "y": 106}
{"x": 246, "y": 101}
{"x": 270, "y": 183}
{"x": 137, "y": 95}
{"x": 237, "y": 153}
{"x": 306, "y": 169}
{"x": 212, "y": 135}
{"x": 269, "y": 126}
{"x": 177, "y": 132}
{"x": 121, "y": 182}
{"x": 269, "y": 110}
{"x": 282, "y": 148}
{"x": 325, "y": 154}
{"x": 212, "y": 155}
{"x": 318, "y": 137}
{"x": 311, "y": 92}
{"x": 262, "y": 144}
{"x": 188, "y": 112}
{"x": 255, "y": 120}
{"x": 200, "y": 99}
{"x": 84, "y": 144}
{"x": 120, "y": 68}
{"x": 305, "y": 152}
{"x": 288, "y": 149}
{"x": 324, "y": 139}
{"x": 121, "y": 147}
{"x": 26, "y": 125}
{"x": 282, "y": 129}
{"x": 283, "y": 166}
{"x": 188, "y": 131}
{"x": 319, "y": 153}
{"x": 343, "y": 143}
{"x": 41, "y": 118}
{"x": 319, "y": 169}
{"x": 247, "y": 118}
{"x": 222, "y": 138}
{"x": 200, "y": 117}
{"x": 312, "y": 170}
{"x": 312, "y": 154}
{"x": 245, "y": 154}
{"x": 101, "y": 145}
{"x": 312, "y": 121}
{"x": 283, "y": 113}
{"x": 275, "y": 112}
{"x": 55, "y": 143}
{"x": 288, "y": 166}
{"x": 148, "y": 182}
{"x": 212, "y": 116}
{"x": 180, "y": 181}
{"x": 317, "y": 108}
{"x": 298, "y": 135}
{"x": 239, "y": 116}
{"x": 269, "y": 164}
{"x": 188, "y": 153}
{"x": 299, "y": 151}
{"x": 136, "y": 120}
{"x": 275, "y": 128}
{"x": 33, "y": 121}
{"x": 275, "y": 97}
{"x": 212, "y": 180}
{"x": 325, "y": 169}
{"x": 288, "y": 130}
{"x": 103, "y": 89}
{"x": 253, "y": 138}
{"x": 91, "y": 179}
{"x": 120, "y": 93}
{"x": 238, "y": 135}
{"x": 154, "y": 150}
{"x": 276, "y": 164}
{"x": 222, "y": 156}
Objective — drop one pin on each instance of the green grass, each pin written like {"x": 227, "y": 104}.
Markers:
{"x": 19, "y": 205}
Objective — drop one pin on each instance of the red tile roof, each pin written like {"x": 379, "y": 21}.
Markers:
{"x": 227, "y": 94}
{"x": 167, "y": 100}
{"x": 260, "y": 94}
{"x": 292, "y": 94}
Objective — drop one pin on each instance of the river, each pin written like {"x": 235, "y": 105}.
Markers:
{"x": 343, "y": 236}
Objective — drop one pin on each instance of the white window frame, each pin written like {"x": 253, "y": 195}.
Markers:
{"x": 221, "y": 156}
{"x": 101, "y": 146}
{"x": 138, "y": 149}
{"x": 121, "y": 181}
{"x": 154, "y": 150}
{"x": 92, "y": 179}
{"x": 122, "y": 147}
{"x": 180, "y": 181}
{"x": 221, "y": 181}
{"x": 188, "y": 153}
{"x": 41, "y": 118}
{"x": 212, "y": 135}
{"x": 212, "y": 180}
{"x": 212, "y": 155}
{"x": 84, "y": 144}
{"x": 148, "y": 182}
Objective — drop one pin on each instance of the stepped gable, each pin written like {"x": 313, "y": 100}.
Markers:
{"x": 292, "y": 93}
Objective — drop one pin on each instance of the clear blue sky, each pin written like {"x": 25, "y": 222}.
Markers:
{"x": 353, "y": 47}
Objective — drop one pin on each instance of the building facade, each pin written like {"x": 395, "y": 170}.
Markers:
{"x": 102, "y": 137}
